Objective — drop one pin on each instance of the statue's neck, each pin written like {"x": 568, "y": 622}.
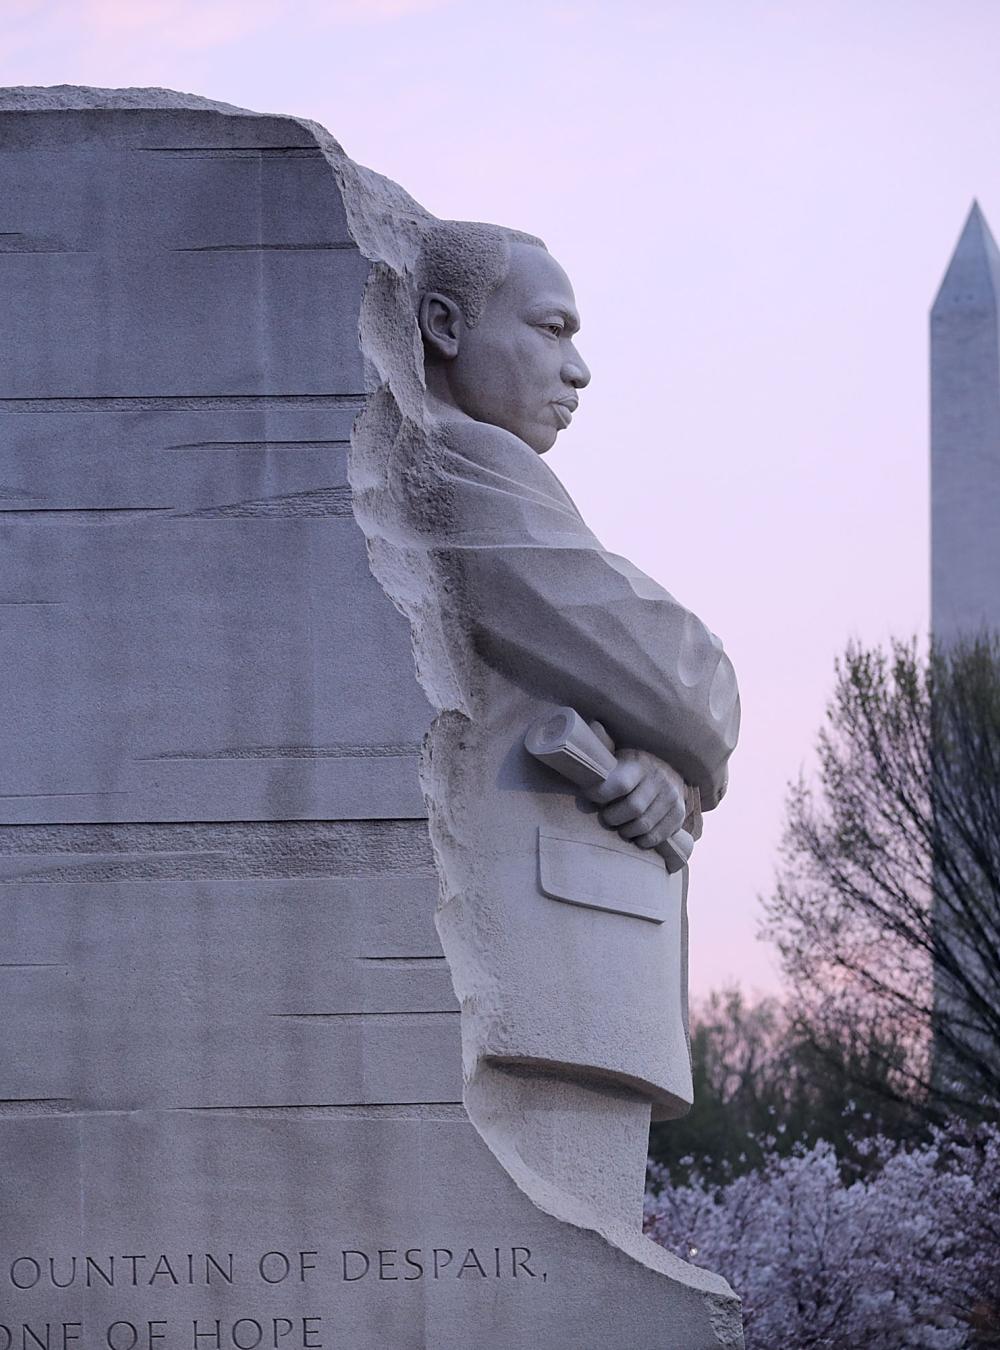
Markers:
{"x": 439, "y": 400}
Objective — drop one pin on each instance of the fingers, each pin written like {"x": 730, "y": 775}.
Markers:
{"x": 628, "y": 808}
{"x": 643, "y": 798}
{"x": 626, "y": 776}
{"x": 655, "y": 837}
{"x": 663, "y": 817}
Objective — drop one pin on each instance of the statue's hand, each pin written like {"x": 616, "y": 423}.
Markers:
{"x": 644, "y": 799}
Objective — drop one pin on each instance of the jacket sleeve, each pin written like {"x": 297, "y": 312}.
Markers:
{"x": 541, "y": 601}
{"x": 580, "y": 626}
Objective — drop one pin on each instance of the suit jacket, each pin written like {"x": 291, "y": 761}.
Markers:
{"x": 567, "y": 945}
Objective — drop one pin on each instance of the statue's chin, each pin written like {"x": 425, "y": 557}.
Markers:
{"x": 537, "y": 438}
{"x": 540, "y": 439}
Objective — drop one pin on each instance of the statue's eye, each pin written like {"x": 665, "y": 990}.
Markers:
{"x": 554, "y": 328}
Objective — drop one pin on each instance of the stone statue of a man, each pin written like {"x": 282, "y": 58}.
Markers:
{"x": 498, "y": 319}
{"x": 564, "y": 933}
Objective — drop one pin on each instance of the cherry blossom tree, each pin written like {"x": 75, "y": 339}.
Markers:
{"x": 908, "y": 1256}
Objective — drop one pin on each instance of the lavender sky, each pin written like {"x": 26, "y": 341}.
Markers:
{"x": 756, "y": 202}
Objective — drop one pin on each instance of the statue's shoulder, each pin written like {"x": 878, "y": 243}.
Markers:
{"x": 489, "y": 452}
{"x": 486, "y": 444}
{"x": 495, "y": 480}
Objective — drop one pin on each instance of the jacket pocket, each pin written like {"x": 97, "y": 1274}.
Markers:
{"x": 615, "y": 876}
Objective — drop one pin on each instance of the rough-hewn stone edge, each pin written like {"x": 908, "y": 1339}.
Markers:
{"x": 82, "y": 97}
{"x": 387, "y": 225}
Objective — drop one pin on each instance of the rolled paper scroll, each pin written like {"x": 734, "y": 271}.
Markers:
{"x": 565, "y": 742}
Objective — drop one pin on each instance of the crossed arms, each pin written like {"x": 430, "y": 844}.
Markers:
{"x": 562, "y": 618}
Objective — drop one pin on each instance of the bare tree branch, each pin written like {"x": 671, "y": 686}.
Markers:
{"x": 886, "y": 910}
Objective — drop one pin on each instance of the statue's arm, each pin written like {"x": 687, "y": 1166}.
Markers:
{"x": 546, "y": 604}
{"x": 581, "y": 627}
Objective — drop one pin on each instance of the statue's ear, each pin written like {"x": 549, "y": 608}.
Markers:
{"x": 441, "y": 324}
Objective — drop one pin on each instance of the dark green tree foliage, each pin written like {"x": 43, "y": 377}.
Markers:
{"x": 762, "y": 1085}
{"x": 887, "y": 909}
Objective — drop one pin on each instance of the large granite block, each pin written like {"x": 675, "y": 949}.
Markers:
{"x": 235, "y": 1074}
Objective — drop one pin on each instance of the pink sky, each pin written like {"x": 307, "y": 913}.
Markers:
{"x": 756, "y": 202}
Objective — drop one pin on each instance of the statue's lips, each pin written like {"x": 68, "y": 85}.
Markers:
{"x": 564, "y": 412}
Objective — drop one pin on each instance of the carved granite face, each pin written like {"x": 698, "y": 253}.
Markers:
{"x": 518, "y": 368}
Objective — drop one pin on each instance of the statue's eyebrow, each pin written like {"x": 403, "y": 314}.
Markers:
{"x": 541, "y": 311}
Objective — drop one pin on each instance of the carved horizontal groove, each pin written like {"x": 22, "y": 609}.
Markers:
{"x": 219, "y": 836}
{"x": 182, "y": 403}
{"x": 33, "y": 965}
{"x": 313, "y": 504}
{"x": 235, "y": 151}
{"x": 402, "y": 962}
{"x": 22, "y": 796}
{"x": 35, "y": 1106}
{"x": 287, "y": 752}
{"x": 81, "y": 515}
{"x": 348, "y": 1111}
{"x": 11, "y": 241}
{"x": 407, "y": 1018}
{"x": 220, "y": 851}
{"x": 269, "y": 248}
{"x": 259, "y": 446}
{"x": 11, "y": 604}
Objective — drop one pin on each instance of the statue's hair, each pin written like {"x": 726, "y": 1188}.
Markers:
{"x": 467, "y": 261}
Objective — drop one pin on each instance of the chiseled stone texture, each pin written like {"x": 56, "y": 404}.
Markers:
{"x": 230, "y": 1028}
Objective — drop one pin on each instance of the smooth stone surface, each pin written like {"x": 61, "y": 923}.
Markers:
{"x": 433, "y": 1246}
{"x": 180, "y": 308}
{"x": 102, "y": 274}
{"x": 311, "y": 987}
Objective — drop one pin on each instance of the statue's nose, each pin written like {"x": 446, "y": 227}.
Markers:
{"x": 576, "y": 371}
